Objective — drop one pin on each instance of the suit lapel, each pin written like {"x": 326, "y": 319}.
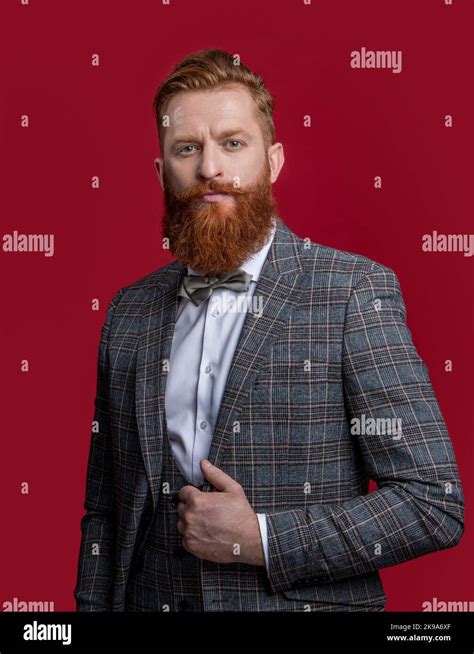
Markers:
{"x": 153, "y": 355}
{"x": 279, "y": 287}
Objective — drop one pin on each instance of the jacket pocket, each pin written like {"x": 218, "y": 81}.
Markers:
{"x": 365, "y": 590}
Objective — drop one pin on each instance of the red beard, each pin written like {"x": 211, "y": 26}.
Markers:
{"x": 215, "y": 238}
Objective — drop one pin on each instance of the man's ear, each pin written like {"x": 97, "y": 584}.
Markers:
{"x": 159, "y": 170}
{"x": 276, "y": 159}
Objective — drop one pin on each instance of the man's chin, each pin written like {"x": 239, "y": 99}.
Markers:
{"x": 214, "y": 212}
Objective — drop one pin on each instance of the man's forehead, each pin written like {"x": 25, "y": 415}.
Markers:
{"x": 188, "y": 109}
{"x": 198, "y": 114}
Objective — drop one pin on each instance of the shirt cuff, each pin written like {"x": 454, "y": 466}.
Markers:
{"x": 262, "y": 523}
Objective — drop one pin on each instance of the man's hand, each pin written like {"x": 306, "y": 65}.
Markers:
{"x": 219, "y": 526}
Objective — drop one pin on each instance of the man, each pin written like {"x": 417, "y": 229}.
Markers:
{"x": 285, "y": 364}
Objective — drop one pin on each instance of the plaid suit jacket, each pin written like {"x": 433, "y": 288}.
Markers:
{"x": 330, "y": 350}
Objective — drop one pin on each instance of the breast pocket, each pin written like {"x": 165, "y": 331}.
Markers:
{"x": 303, "y": 385}
{"x": 287, "y": 373}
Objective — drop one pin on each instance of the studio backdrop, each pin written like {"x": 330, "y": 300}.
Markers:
{"x": 374, "y": 107}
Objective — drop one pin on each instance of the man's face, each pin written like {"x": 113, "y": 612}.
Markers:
{"x": 215, "y": 143}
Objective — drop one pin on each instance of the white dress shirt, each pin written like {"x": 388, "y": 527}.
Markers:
{"x": 204, "y": 341}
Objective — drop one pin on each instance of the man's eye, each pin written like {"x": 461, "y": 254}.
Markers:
{"x": 234, "y": 145}
{"x": 182, "y": 150}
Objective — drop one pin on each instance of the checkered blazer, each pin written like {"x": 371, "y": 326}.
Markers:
{"x": 330, "y": 351}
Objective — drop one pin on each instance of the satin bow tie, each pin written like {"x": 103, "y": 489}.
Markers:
{"x": 198, "y": 288}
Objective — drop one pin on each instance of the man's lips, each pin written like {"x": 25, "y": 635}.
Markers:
{"x": 213, "y": 197}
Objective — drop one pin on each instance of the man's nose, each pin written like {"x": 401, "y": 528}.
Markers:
{"x": 211, "y": 163}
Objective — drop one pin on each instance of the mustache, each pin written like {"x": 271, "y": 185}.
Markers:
{"x": 198, "y": 190}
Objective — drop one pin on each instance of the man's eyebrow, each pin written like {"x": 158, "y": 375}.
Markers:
{"x": 184, "y": 138}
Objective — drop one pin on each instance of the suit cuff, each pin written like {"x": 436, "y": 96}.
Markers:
{"x": 295, "y": 559}
{"x": 262, "y": 523}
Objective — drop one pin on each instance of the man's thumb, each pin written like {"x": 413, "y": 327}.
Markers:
{"x": 217, "y": 477}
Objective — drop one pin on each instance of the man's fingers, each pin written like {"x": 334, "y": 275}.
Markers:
{"x": 218, "y": 478}
{"x": 187, "y": 492}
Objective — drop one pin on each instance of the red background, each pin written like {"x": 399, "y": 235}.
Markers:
{"x": 87, "y": 121}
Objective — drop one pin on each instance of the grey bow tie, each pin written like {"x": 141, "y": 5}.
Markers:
{"x": 198, "y": 288}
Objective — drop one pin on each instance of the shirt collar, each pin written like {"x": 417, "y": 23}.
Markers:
{"x": 254, "y": 263}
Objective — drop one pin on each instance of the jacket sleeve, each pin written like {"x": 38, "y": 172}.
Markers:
{"x": 93, "y": 591}
{"x": 418, "y": 506}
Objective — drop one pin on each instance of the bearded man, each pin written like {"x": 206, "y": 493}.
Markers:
{"x": 227, "y": 472}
